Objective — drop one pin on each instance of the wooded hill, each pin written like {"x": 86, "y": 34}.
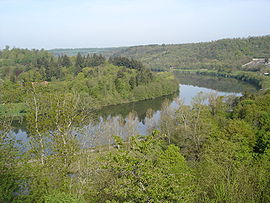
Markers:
{"x": 221, "y": 54}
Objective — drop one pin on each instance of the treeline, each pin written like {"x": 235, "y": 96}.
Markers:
{"x": 16, "y": 64}
{"x": 106, "y": 85}
{"x": 214, "y": 152}
{"x": 220, "y": 55}
{"x": 84, "y": 51}
{"x": 123, "y": 61}
{"x": 34, "y": 65}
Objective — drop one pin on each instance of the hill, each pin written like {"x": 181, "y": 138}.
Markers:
{"x": 225, "y": 53}
{"x": 220, "y": 55}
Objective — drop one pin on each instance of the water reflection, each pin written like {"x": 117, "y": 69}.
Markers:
{"x": 122, "y": 120}
{"x": 139, "y": 107}
{"x": 188, "y": 92}
{"x": 220, "y": 84}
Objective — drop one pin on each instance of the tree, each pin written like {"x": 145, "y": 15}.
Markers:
{"x": 194, "y": 126}
{"x": 132, "y": 82}
{"x": 66, "y": 61}
{"x": 79, "y": 62}
{"x": 147, "y": 170}
{"x": 94, "y": 60}
{"x": 167, "y": 120}
{"x": 126, "y": 62}
{"x": 9, "y": 174}
{"x": 52, "y": 120}
{"x": 227, "y": 171}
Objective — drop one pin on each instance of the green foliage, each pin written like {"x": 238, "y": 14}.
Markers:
{"x": 147, "y": 170}
{"x": 9, "y": 173}
{"x": 65, "y": 61}
{"x": 12, "y": 110}
{"x": 11, "y": 93}
{"x": 227, "y": 170}
{"x": 9, "y": 169}
{"x": 128, "y": 63}
{"x": 206, "y": 153}
{"x": 61, "y": 198}
{"x": 94, "y": 60}
{"x": 256, "y": 112}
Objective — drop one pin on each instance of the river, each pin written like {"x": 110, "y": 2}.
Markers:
{"x": 118, "y": 119}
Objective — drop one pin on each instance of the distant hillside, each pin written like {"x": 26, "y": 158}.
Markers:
{"x": 84, "y": 51}
{"x": 221, "y": 54}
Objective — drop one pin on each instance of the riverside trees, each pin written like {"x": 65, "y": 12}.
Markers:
{"x": 206, "y": 152}
{"x": 227, "y": 144}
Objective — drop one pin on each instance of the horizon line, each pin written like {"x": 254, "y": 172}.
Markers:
{"x": 138, "y": 45}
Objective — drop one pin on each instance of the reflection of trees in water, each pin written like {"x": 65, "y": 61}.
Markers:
{"x": 19, "y": 125}
{"x": 217, "y": 83}
{"x": 110, "y": 120}
{"x": 102, "y": 133}
{"x": 161, "y": 116}
{"x": 139, "y": 107}
{"x": 122, "y": 121}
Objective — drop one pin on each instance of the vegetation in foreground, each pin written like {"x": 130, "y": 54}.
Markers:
{"x": 218, "y": 152}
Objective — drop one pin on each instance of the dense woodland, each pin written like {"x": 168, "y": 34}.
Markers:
{"x": 104, "y": 82}
{"x": 215, "y": 150}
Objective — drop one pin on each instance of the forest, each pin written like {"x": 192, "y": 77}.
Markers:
{"x": 93, "y": 77}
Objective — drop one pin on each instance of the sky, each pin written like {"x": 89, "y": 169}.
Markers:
{"x": 112, "y": 23}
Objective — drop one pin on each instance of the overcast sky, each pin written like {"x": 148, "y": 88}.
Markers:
{"x": 108, "y": 23}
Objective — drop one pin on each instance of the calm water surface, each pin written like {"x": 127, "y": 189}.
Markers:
{"x": 117, "y": 120}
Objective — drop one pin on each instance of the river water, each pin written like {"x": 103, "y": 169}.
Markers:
{"x": 118, "y": 119}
